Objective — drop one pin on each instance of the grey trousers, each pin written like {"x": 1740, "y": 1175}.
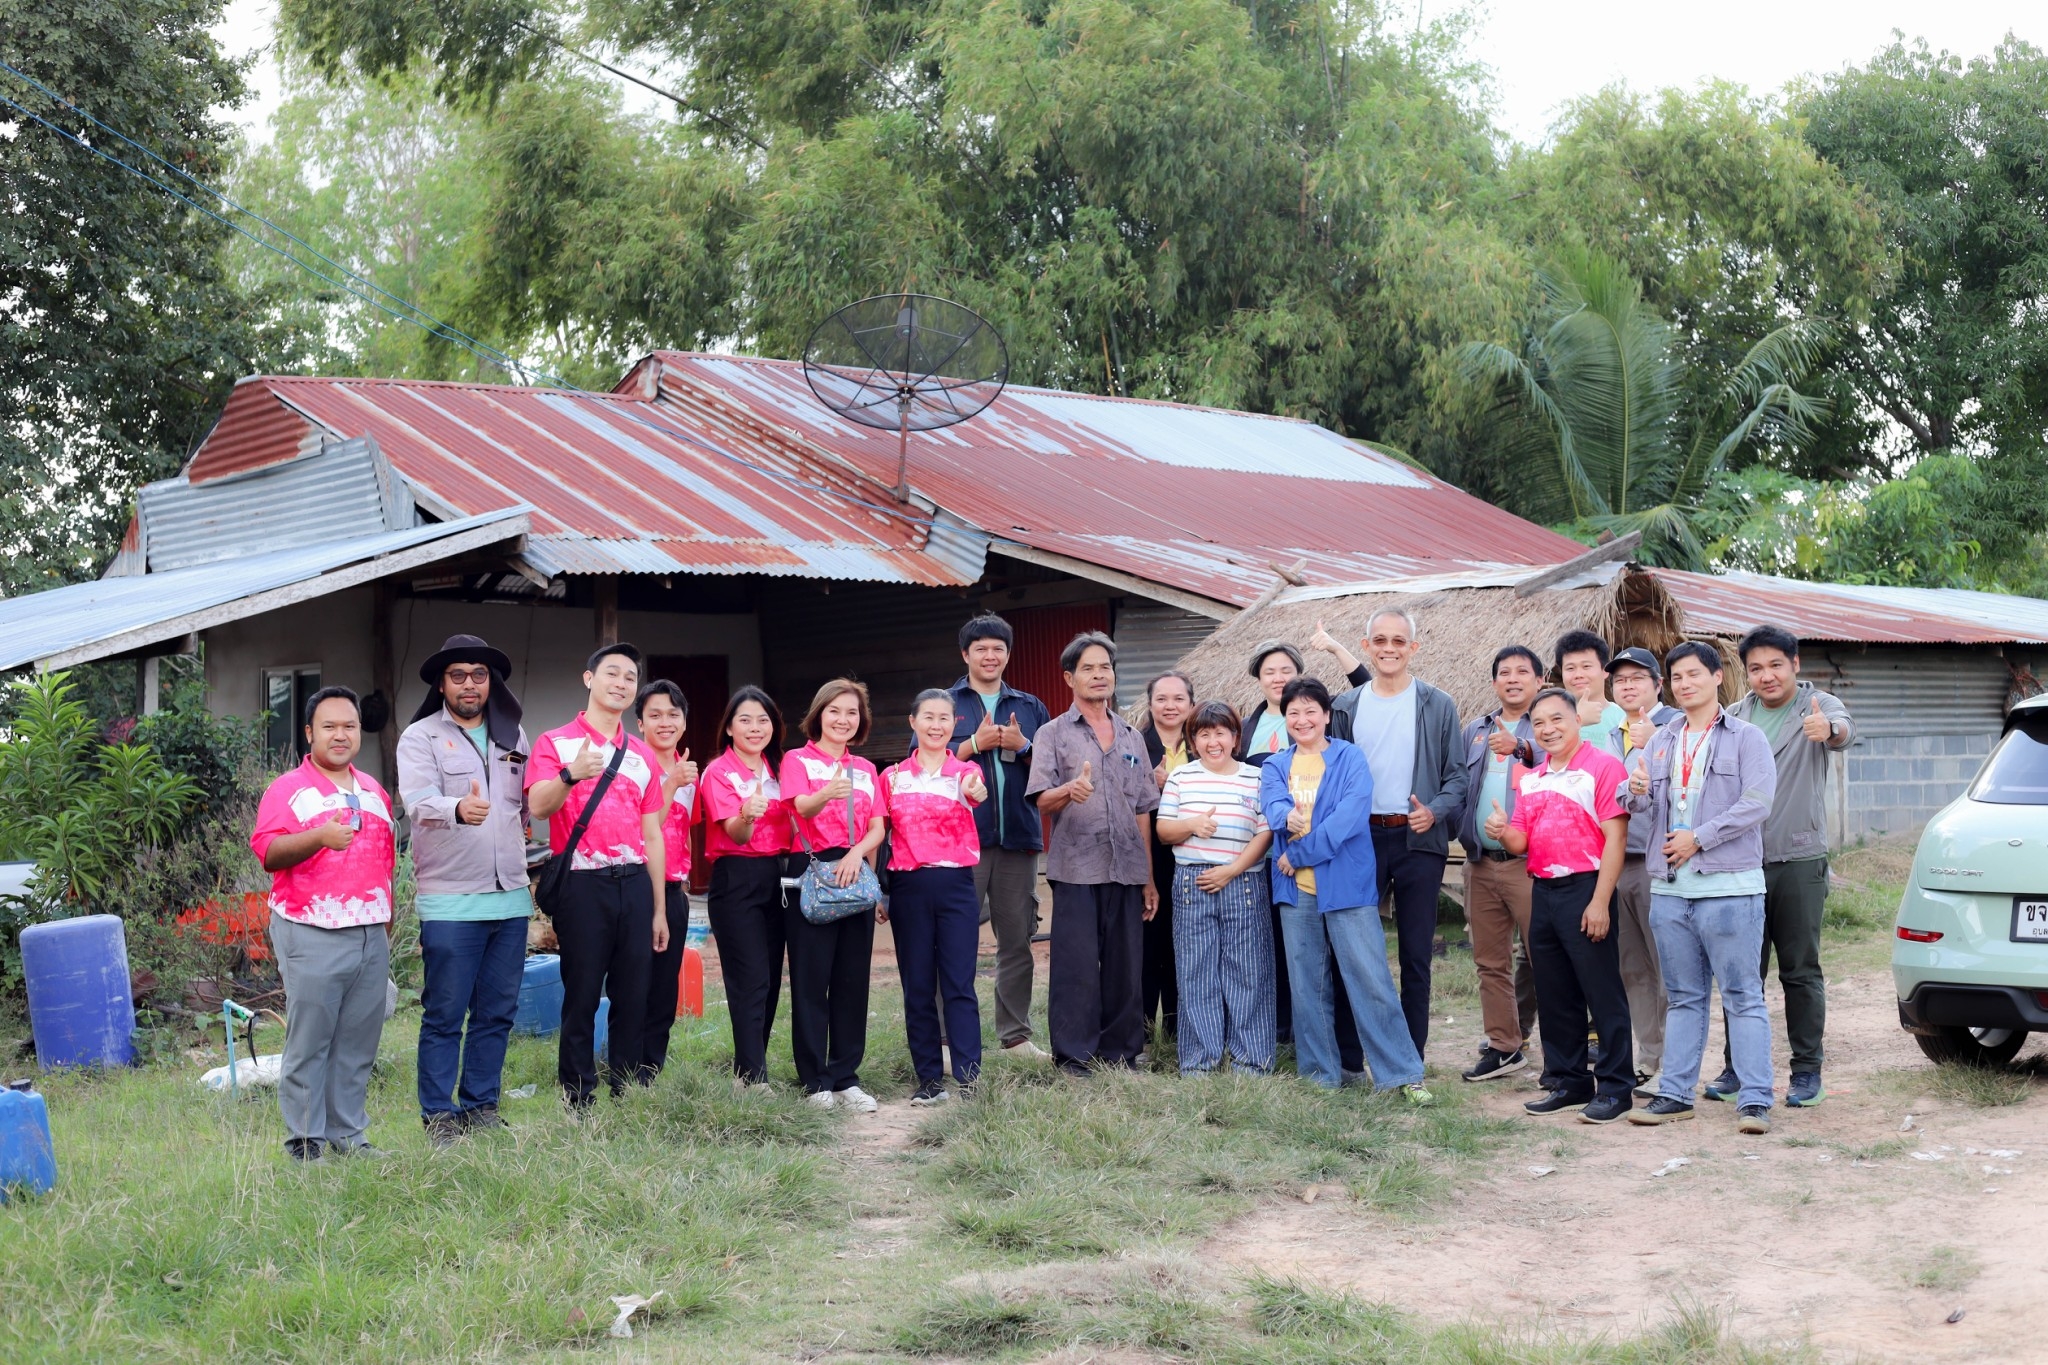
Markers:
{"x": 334, "y": 983}
{"x": 1006, "y": 884}
{"x": 1642, "y": 975}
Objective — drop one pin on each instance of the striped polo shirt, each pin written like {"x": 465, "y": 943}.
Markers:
{"x": 1192, "y": 789}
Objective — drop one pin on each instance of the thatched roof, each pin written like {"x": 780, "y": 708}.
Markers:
{"x": 1460, "y": 629}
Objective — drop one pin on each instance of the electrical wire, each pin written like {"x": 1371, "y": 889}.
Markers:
{"x": 432, "y": 326}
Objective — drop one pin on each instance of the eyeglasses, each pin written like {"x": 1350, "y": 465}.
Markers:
{"x": 474, "y": 675}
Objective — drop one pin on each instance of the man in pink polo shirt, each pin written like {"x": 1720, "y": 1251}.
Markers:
{"x": 611, "y": 924}
{"x": 1570, "y": 824}
{"x": 323, "y": 832}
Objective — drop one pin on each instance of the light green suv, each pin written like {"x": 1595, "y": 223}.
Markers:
{"x": 1970, "y": 951}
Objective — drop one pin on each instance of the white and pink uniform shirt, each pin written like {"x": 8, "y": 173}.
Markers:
{"x": 336, "y": 888}
{"x": 809, "y": 768}
{"x": 1561, "y": 811}
{"x": 615, "y": 836}
{"x": 931, "y": 817}
{"x": 726, "y": 785}
{"x": 675, "y": 829}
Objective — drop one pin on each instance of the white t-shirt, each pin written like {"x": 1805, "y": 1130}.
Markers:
{"x": 1234, "y": 796}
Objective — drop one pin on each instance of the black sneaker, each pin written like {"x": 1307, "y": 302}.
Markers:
{"x": 443, "y": 1130}
{"x": 1663, "y": 1109}
{"x": 1605, "y": 1109}
{"x": 1494, "y": 1064}
{"x": 1723, "y": 1086}
{"x": 930, "y": 1093}
{"x": 1805, "y": 1090}
{"x": 1755, "y": 1118}
{"x": 1556, "y": 1102}
{"x": 483, "y": 1117}
{"x": 302, "y": 1149}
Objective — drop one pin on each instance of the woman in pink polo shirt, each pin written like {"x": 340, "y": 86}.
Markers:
{"x": 833, "y": 797}
{"x": 746, "y": 839}
{"x": 1570, "y": 823}
{"x": 934, "y": 915}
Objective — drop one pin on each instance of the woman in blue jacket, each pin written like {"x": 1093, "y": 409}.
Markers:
{"x": 1317, "y": 794}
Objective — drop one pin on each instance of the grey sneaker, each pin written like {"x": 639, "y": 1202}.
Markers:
{"x": 1754, "y": 1119}
{"x": 1723, "y": 1086}
{"x": 1663, "y": 1109}
{"x": 1805, "y": 1091}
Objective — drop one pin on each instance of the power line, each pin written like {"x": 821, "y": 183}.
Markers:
{"x": 484, "y": 352}
{"x": 644, "y": 84}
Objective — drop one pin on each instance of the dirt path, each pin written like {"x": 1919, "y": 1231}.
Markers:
{"x": 1837, "y": 1228}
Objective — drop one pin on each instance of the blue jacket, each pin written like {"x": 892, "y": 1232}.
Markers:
{"x": 1020, "y": 828}
{"x": 1735, "y": 797}
{"x": 1338, "y": 845}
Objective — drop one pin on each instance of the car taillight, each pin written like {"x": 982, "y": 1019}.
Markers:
{"x": 1919, "y": 935}
{"x": 2041, "y": 999}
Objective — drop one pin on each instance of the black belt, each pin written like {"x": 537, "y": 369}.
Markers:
{"x": 1499, "y": 855}
{"x": 618, "y": 872}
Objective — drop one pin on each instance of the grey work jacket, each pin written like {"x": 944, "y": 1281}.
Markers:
{"x": 1438, "y": 779}
{"x": 1470, "y": 818}
{"x": 1735, "y": 797}
{"x": 1639, "y": 830}
{"x": 436, "y": 763}
{"x": 1798, "y": 827}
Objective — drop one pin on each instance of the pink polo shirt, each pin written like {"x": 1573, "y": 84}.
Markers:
{"x": 675, "y": 829}
{"x": 615, "y": 836}
{"x": 931, "y": 819}
{"x": 1561, "y": 811}
{"x": 335, "y": 888}
{"x": 809, "y": 768}
{"x": 726, "y": 784}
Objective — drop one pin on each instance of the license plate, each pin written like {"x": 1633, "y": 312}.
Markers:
{"x": 2030, "y": 919}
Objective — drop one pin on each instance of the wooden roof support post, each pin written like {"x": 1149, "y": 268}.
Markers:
{"x": 384, "y": 678}
{"x": 607, "y": 609}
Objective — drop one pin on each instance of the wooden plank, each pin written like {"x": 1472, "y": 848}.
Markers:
{"x": 1122, "y": 582}
{"x": 1600, "y": 554}
{"x": 607, "y": 593}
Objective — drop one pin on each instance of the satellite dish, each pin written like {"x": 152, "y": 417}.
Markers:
{"x": 904, "y": 363}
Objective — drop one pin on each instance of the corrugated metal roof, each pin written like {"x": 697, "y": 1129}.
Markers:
{"x": 48, "y": 625}
{"x": 1731, "y": 603}
{"x": 616, "y": 485}
{"x": 1199, "y": 499}
{"x": 333, "y": 493}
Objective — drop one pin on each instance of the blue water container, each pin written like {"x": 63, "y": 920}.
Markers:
{"x": 601, "y": 1044}
{"x": 79, "y": 1004}
{"x": 28, "y": 1159}
{"x": 540, "y": 996}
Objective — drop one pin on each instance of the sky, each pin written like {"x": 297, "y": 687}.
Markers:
{"x": 1544, "y": 55}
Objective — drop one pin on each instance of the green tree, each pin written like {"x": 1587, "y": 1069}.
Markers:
{"x": 1955, "y": 354}
{"x": 1598, "y": 411}
{"x": 120, "y": 333}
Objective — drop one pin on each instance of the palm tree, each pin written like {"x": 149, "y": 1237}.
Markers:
{"x": 1606, "y": 424}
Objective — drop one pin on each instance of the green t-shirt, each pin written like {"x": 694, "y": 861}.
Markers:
{"x": 1771, "y": 720}
{"x": 988, "y": 702}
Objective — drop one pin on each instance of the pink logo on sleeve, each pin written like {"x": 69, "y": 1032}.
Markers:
{"x": 335, "y": 888}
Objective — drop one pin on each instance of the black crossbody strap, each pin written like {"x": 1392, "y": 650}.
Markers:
{"x": 604, "y": 782}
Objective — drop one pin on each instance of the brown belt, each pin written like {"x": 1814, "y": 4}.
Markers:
{"x": 1390, "y": 822}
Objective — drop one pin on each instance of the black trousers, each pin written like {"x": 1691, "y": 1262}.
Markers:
{"x": 1283, "y": 995}
{"x": 1414, "y": 879}
{"x": 745, "y": 907}
{"x": 1093, "y": 981}
{"x": 606, "y": 928}
{"x": 828, "y": 992}
{"x": 664, "y": 985}
{"x": 1159, "y": 983}
{"x": 1578, "y": 980}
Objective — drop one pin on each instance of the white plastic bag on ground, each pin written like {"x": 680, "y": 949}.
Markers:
{"x": 249, "y": 1073}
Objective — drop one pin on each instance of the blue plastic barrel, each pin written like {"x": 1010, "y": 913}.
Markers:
{"x": 79, "y": 1004}
{"x": 28, "y": 1159}
{"x": 540, "y": 996}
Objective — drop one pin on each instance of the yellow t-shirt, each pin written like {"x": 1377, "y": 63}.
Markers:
{"x": 1304, "y": 778}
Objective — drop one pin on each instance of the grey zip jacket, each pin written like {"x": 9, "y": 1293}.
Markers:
{"x": 1798, "y": 827}
{"x": 1639, "y": 830}
{"x": 1438, "y": 779}
{"x": 436, "y": 764}
{"x": 1735, "y": 797}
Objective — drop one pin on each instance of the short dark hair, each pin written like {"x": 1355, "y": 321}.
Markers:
{"x": 1304, "y": 686}
{"x": 751, "y": 693}
{"x": 620, "y": 648}
{"x": 988, "y": 626}
{"x": 932, "y": 694}
{"x": 1507, "y": 652}
{"x": 1070, "y": 657}
{"x": 1567, "y": 698}
{"x": 1266, "y": 649}
{"x": 662, "y": 687}
{"x": 1709, "y": 657}
{"x": 347, "y": 694}
{"x": 1216, "y": 715}
{"x": 1185, "y": 681}
{"x": 1578, "y": 642}
{"x": 1768, "y": 637}
{"x": 814, "y": 718}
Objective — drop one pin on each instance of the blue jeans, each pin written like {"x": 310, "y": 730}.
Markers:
{"x": 1717, "y": 939}
{"x": 473, "y": 970}
{"x": 1360, "y": 946}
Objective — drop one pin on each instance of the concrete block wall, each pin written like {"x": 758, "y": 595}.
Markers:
{"x": 1893, "y": 784}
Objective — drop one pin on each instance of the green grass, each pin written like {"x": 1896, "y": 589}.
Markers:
{"x": 1945, "y": 1270}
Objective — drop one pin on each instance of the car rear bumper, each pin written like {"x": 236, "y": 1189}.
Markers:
{"x": 1937, "y": 1004}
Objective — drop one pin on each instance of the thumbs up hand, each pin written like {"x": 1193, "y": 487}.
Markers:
{"x": 1420, "y": 817}
{"x": 475, "y": 807}
{"x": 1012, "y": 734}
{"x": 1082, "y": 787}
{"x": 1322, "y": 640}
{"x": 1204, "y": 822}
{"x": 587, "y": 764}
{"x": 1502, "y": 741}
{"x": 336, "y": 833}
{"x": 1639, "y": 776}
{"x": 684, "y": 773}
{"x": 973, "y": 788}
{"x": 1816, "y": 725}
{"x": 1639, "y": 731}
{"x": 1496, "y": 823}
{"x": 838, "y": 787}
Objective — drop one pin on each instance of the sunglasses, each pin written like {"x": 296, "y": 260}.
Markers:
{"x": 355, "y": 810}
{"x": 472, "y": 675}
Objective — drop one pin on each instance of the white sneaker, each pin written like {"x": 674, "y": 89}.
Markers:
{"x": 856, "y": 1099}
{"x": 1027, "y": 1051}
{"x": 821, "y": 1098}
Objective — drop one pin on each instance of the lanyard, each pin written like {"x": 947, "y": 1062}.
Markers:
{"x": 1686, "y": 755}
